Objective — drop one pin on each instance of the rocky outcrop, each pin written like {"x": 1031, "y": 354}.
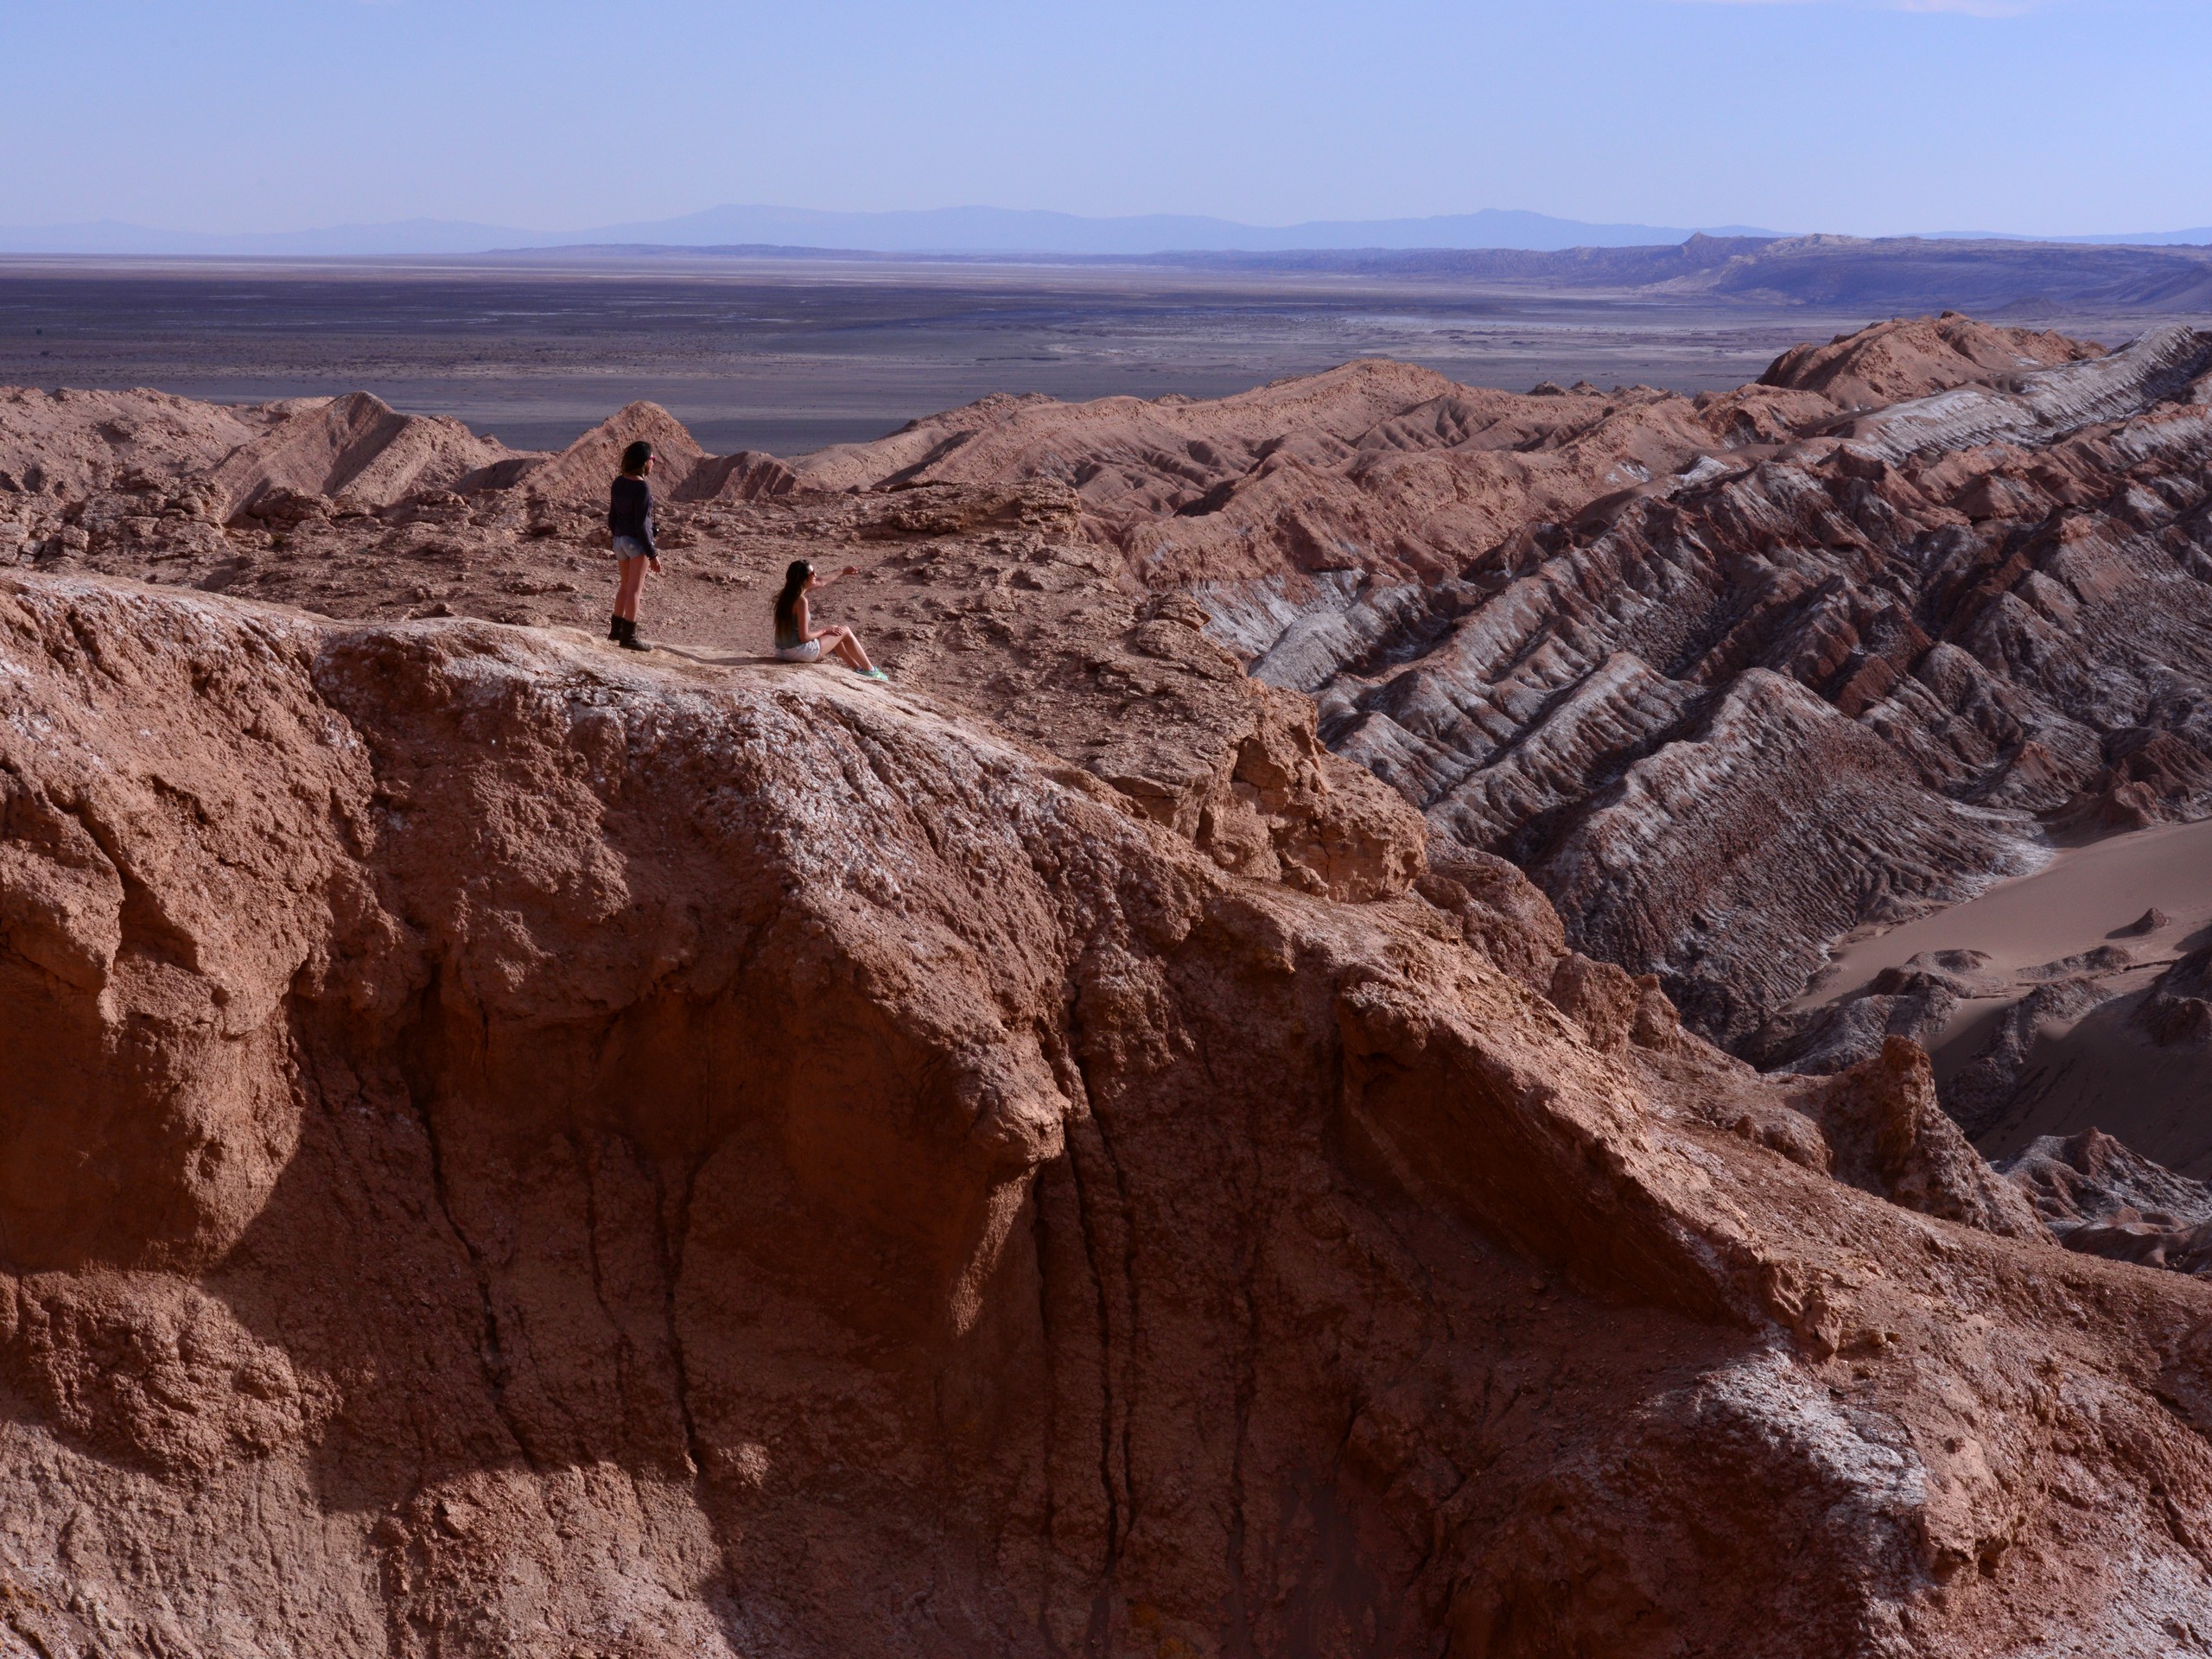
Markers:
{"x": 687, "y": 1158}
{"x": 1889, "y": 1136}
{"x": 2166, "y": 363}
{"x": 359, "y": 447}
{"x": 153, "y": 480}
{"x": 1234, "y": 765}
{"x": 65, "y": 445}
{"x": 1499, "y": 912}
{"x": 1919, "y": 357}
{"x": 2179, "y": 1009}
{"x": 2099, "y": 1196}
{"x": 579, "y": 475}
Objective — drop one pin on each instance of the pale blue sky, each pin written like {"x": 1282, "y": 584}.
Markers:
{"x": 1844, "y": 115}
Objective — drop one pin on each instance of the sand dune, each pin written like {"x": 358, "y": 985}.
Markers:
{"x": 2083, "y": 898}
{"x": 2051, "y": 973}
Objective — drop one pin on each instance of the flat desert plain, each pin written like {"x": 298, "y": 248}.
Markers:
{"x": 788, "y": 355}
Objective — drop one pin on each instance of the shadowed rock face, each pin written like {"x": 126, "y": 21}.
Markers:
{"x": 677, "y": 1160}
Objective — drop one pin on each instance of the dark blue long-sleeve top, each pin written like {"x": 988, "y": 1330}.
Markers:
{"x": 630, "y": 510}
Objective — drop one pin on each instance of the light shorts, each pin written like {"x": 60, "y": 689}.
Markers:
{"x": 629, "y": 547}
{"x": 810, "y": 651}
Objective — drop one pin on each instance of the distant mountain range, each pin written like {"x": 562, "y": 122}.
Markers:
{"x": 946, "y": 230}
{"x": 937, "y": 231}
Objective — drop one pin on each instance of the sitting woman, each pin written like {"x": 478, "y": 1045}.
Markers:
{"x": 799, "y": 641}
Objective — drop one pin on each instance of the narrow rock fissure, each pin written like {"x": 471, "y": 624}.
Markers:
{"x": 1039, "y": 1247}
{"x": 1098, "y": 1630}
{"x": 490, "y": 1353}
{"x": 1239, "y": 1640}
{"x": 671, "y": 1266}
{"x": 588, "y": 1164}
{"x": 1129, "y": 1305}
{"x": 672, "y": 1254}
{"x": 1084, "y": 1204}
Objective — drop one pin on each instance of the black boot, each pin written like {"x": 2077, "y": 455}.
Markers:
{"x": 614, "y": 627}
{"x": 629, "y": 641}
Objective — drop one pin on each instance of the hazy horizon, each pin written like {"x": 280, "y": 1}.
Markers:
{"x": 2031, "y": 118}
{"x": 970, "y": 229}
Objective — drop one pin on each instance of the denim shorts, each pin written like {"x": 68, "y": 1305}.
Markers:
{"x": 629, "y": 547}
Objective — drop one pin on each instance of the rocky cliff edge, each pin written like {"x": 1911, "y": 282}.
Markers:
{"x": 510, "y": 1151}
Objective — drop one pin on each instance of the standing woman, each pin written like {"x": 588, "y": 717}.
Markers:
{"x": 630, "y": 516}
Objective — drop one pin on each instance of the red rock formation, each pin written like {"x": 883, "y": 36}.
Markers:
{"x": 579, "y": 475}
{"x": 1373, "y": 466}
{"x": 664, "y": 1159}
{"x": 360, "y": 449}
{"x": 1918, "y": 356}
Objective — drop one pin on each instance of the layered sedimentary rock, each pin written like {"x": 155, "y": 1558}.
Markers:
{"x": 511, "y": 1150}
{"x": 1904, "y": 670}
{"x": 1731, "y": 677}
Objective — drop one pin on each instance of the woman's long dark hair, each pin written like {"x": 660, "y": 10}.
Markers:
{"x": 795, "y": 580}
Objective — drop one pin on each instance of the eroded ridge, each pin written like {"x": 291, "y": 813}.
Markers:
{"x": 508, "y": 1151}
{"x": 1820, "y": 684}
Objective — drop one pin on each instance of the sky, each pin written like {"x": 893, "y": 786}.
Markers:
{"x": 2033, "y": 117}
